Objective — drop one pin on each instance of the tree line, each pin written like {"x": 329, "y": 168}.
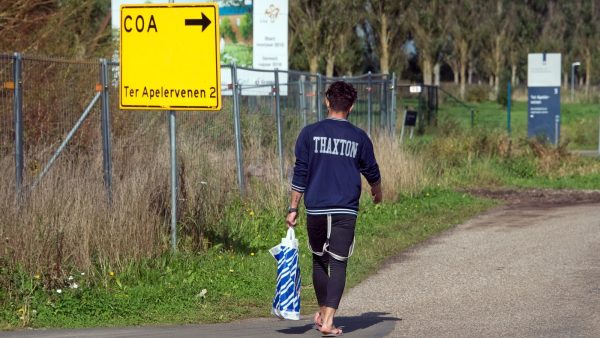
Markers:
{"x": 486, "y": 39}
{"x": 420, "y": 40}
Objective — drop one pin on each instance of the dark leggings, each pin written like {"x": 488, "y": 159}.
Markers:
{"x": 329, "y": 273}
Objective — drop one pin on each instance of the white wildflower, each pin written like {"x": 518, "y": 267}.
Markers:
{"x": 58, "y": 291}
{"x": 74, "y": 286}
{"x": 70, "y": 278}
{"x": 83, "y": 273}
{"x": 202, "y": 294}
{"x": 203, "y": 182}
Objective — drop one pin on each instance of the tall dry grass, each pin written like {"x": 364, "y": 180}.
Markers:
{"x": 402, "y": 171}
{"x": 67, "y": 222}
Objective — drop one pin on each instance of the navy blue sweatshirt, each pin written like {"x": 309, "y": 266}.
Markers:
{"x": 330, "y": 156}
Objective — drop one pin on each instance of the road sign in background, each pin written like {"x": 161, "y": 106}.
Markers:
{"x": 543, "y": 97}
{"x": 170, "y": 57}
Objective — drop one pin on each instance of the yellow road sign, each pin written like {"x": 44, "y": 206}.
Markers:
{"x": 170, "y": 57}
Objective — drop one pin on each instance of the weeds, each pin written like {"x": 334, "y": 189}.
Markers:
{"x": 484, "y": 159}
{"x": 67, "y": 222}
{"x": 66, "y": 252}
{"x": 220, "y": 284}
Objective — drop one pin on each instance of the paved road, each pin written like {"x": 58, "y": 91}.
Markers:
{"x": 512, "y": 272}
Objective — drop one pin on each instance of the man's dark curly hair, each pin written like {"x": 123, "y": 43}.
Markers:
{"x": 341, "y": 96}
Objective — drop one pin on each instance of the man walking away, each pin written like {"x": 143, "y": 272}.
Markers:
{"x": 330, "y": 156}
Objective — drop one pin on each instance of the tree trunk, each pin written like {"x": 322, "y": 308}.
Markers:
{"x": 492, "y": 81}
{"x": 313, "y": 64}
{"x": 565, "y": 86}
{"x": 384, "y": 59}
{"x": 498, "y": 57}
{"x": 588, "y": 72}
{"x": 454, "y": 66}
{"x": 471, "y": 72}
{"x": 436, "y": 74}
{"x": 330, "y": 64}
{"x": 463, "y": 55}
{"x": 463, "y": 79}
{"x": 513, "y": 74}
{"x": 427, "y": 71}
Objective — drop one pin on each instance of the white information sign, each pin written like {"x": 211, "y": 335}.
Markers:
{"x": 543, "y": 96}
{"x": 270, "y": 43}
{"x": 544, "y": 69}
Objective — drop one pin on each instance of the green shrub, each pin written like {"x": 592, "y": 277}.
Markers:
{"x": 522, "y": 167}
{"x": 502, "y": 96}
{"x": 227, "y": 30}
{"x": 478, "y": 93}
{"x": 246, "y": 26}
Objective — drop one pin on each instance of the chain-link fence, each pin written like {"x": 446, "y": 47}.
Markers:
{"x": 63, "y": 111}
{"x": 7, "y": 86}
{"x": 421, "y": 99}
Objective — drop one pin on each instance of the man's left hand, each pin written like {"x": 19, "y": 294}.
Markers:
{"x": 290, "y": 220}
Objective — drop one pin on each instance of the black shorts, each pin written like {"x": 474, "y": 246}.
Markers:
{"x": 331, "y": 233}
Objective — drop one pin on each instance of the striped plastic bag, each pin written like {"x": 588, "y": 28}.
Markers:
{"x": 286, "y": 303}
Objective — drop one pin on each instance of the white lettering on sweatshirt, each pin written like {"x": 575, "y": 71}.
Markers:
{"x": 335, "y": 146}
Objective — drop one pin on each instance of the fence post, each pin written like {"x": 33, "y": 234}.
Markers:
{"x": 508, "y": 108}
{"x": 106, "y": 137}
{"x": 393, "y": 104}
{"x": 436, "y": 100}
{"x": 369, "y": 107}
{"x": 318, "y": 96}
{"x": 279, "y": 132}
{"x": 403, "y": 124}
{"x": 472, "y": 118}
{"x": 18, "y": 120}
{"x": 302, "y": 98}
{"x": 383, "y": 103}
{"x": 237, "y": 128}
{"x": 556, "y": 130}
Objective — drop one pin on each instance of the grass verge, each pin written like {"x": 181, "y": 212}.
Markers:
{"x": 221, "y": 285}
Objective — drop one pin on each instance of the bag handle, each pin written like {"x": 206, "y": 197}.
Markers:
{"x": 291, "y": 235}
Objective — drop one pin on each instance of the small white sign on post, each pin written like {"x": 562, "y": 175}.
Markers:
{"x": 415, "y": 89}
{"x": 544, "y": 69}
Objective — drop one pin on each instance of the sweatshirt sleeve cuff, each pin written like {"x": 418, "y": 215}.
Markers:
{"x": 298, "y": 188}
{"x": 378, "y": 181}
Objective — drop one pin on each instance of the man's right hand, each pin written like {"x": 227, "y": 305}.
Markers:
{"x": 376, "y": 193}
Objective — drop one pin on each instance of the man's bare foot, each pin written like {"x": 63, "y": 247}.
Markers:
{"x": 317, "y": 320}
{"x": 330, "y": 331}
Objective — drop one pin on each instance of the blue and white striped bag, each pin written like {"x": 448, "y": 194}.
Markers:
{"x": 286, "y": 303}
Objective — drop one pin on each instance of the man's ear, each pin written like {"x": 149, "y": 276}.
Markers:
{"x": 327, "y": 103}
{"x": 350, "y": 110}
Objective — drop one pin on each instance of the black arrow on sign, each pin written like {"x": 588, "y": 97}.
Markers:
{"x": 204, "y": 22}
